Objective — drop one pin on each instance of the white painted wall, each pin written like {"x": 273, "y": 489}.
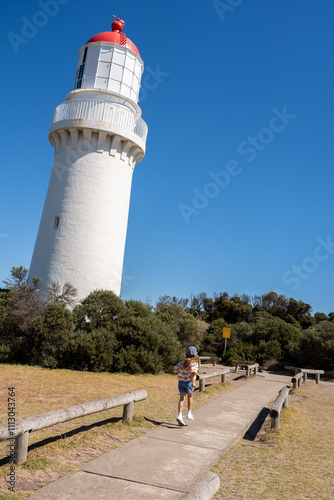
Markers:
{"x": 90, "y": 193}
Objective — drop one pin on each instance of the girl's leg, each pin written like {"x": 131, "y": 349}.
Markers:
{"x": 179, "y": 419}
{"x": 180, "y": 405}
{"x": 190, "y": 401}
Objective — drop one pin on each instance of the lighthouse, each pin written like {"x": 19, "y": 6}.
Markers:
{"x": 98, "y": 137}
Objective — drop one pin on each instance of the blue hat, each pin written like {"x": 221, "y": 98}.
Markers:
{"x": 191, "y": 351}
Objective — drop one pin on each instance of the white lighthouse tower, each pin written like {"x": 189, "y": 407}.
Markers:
{"x": 98, "y": 136}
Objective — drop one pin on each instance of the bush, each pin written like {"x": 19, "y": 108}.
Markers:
{"x": 268, "y": 350}
{"x": 89, "y": 350}
{"x": 242, "y": 351}
{"x": 137, "y": 341}
{"x": 49, "y": 334}
{"x": 187, "y": 328}
{"x": 316, "y": 348}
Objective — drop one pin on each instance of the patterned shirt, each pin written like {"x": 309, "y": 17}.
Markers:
{"x": 184, "y": 374}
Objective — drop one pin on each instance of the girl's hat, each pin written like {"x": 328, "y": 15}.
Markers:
{"x": 191, "y": 351}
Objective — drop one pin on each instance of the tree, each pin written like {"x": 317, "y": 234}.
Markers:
{"x": 66, "y": 294}
{"x": 316, "y": 349}
{"x": 196, "y": 306}
{"x": 269, "y": 328}
{"x": 101, "y": 309}
{"x": 320, "y": 317}
{"x": 18, "y": 278}
{"x": 49, "y": 335}
{"x": 213, "y": 342}
{"x": 301, "y": 312}
{"x": 183, "y": 324}
{"x": 166, "y": 299}
{"x": 90, "y": 350}
{"x": 23, "y": 300}
{"x": 274, "y": 304}
{"x": 243, "y": 351}
{"x": 231, "y": 310}
{"x": 138, "y": 342}
{"x": 266, "y": 351}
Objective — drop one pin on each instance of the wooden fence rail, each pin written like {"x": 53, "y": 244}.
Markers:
{"x": 204, "y": 376}
{"x": 30, "y": 424}
{"x": 275, "y": 412}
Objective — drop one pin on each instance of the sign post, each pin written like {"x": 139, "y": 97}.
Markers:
{"x": 226, "y": 335}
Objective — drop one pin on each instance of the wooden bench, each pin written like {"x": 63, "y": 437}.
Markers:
{"x": 210, "y": 359}
{"x": 317, "y": 373}
{"x": 248, "y": 365}
{"x": 301, "y": 375}
{"x": 20, "y": 432}
{"x": 281, "y": 401}
{"x": 202, "y": 377}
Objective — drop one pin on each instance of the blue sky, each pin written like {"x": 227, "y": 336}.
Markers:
{"x": 235, "y": 191}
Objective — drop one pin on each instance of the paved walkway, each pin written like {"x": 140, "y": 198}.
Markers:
{"x": 171, "y": 462}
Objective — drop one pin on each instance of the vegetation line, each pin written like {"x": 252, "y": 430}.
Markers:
{"x": 105, "y": 333}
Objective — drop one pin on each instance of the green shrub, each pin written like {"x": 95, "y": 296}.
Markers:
{"x": 89, "y": 350}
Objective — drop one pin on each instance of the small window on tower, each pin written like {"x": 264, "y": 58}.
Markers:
{"x": 56, "y": 222}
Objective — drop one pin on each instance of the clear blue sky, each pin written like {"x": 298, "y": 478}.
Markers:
{"x": 235, "y": 192}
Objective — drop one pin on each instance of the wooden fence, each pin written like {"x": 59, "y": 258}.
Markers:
{"x": 31, "y": 424}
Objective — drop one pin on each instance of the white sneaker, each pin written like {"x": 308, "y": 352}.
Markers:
{"x": 180, "y": 420}
{"x": 190, "y": 416}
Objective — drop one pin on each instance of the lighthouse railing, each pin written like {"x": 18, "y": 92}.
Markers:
{"x": 101, "y": 111}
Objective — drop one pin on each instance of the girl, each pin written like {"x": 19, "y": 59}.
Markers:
{"x": 186, "y": 371}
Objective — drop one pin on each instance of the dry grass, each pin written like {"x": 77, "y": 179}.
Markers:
{"x": 65, "y": 447}
{"x": 295, "y": 462}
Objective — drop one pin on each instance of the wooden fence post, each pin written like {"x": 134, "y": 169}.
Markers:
{"x": 202, "y": 384}
{"x": 21, "y": 448}
{"x": 275, "y": 422}
{"x": 128, "y": 412}
{"x": 297, "y": 380}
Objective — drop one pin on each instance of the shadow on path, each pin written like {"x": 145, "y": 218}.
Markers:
{"x": 256, "y": 425}
{"x": 73, "y": 432}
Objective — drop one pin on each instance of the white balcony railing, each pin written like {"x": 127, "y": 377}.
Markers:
{"x": 101, "y": 111}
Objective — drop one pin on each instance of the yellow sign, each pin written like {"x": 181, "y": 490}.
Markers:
{"x": 226, "y": 333}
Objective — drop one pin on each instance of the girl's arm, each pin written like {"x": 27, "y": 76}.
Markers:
{"x": 177, "y": 366}
{"x": 193, "y": 379}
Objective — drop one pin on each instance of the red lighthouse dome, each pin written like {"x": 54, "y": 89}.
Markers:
{"x": 115, "y": 36}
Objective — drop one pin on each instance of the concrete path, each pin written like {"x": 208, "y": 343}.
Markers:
{"x": 171, "y": 462}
